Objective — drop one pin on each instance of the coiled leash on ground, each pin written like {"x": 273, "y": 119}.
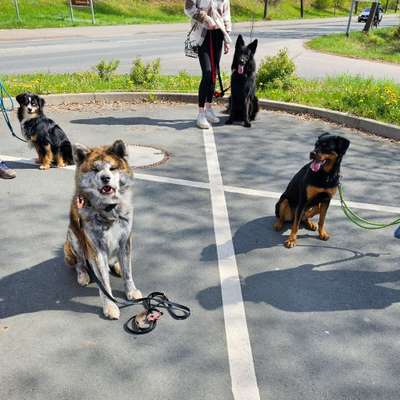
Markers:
{"x": 146, "y": 321}
{"x": 4, "y": 110}
{"x": 361, "y": 222}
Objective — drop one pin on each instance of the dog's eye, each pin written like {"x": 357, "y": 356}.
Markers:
{"x": 113, "y": 168}
{"x": 94, "y": 169}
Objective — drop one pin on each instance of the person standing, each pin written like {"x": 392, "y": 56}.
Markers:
{"x": 211, "y": 22}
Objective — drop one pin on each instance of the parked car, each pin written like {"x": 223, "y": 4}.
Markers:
{"x": 363, "y": 17}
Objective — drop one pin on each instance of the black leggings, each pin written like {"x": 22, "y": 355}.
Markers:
{"x": 209, "y": 57}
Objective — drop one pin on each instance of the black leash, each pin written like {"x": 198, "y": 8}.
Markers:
{"x": 4, "y": 110}
{"x": 146, "y": 321}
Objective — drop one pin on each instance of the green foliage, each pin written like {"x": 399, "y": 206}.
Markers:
{"x": 276, "y": 70}
{"x": 321, "y": 4}
{"x": 381, "y": 44}
{"x": 105, "y": 69}
{"x": 376, "y": 99}
{"x": 145, "y": 74}
{"x": 55, "y": 13}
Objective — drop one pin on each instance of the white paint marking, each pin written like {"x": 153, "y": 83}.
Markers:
{"x": 241, "y": 363}
{"x": 229, "y": 189}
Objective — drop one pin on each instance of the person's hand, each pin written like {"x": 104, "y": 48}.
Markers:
{"x": 210, "y": 23}
{"x": 227, "y": 47}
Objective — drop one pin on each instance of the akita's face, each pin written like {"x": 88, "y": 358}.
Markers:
{"x": 102, "y": 172}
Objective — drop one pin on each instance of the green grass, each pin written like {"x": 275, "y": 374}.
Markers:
{"x": 369, "y": 98}
{"x": 380, "y": 44}
{"x": 55, "y": 13}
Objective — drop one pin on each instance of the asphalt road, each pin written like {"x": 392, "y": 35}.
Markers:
{"x": 77, "y": 49}
{"x": 321, "y": 319}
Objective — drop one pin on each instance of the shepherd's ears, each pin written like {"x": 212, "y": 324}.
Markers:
{"x": 119, "y": 149}
{"x": 253, "y": 46}
{"x": 80, "y": 152}
{"x": 342, "y": 145}
{"x": 41, "y": 102}
{"x": 20, "y": 98}
{"x": 239, "y": 41}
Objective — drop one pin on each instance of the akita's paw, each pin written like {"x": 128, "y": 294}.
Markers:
{"x": 324, "y": 235}
{"x": 291, "y": 242}
{"x": 83, "y": 278}
{"x": 134, "y": 294}
{"x": 44, "y": 167}
{"x": 111, "y": 311}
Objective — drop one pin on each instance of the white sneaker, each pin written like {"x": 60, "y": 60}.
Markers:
{"x": 202, "y": 122}
{"x": 211, "y": 117}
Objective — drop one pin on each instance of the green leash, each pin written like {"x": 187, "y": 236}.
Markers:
{"x": 361, "y": 222}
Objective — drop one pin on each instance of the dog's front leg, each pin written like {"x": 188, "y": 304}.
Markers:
{"x": 298, "y": 216}
{"x": 125, "y": 260}
{"x": 100, "y": 268}
{"x": 323, "y": 234}
{"x": 247, "y": 123}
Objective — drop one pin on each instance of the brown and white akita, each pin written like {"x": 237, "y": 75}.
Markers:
{"x": 101, "y": 219}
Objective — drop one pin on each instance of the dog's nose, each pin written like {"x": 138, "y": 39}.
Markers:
{"x": 105, "y": 179}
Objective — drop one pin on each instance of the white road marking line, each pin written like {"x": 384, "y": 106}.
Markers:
{"x": 276, "y": 195}
{"x": 241, "y": 363}
{"x": 229, "y": 189}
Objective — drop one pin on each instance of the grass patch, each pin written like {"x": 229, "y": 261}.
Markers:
{"x": 55, "y": 13}
{"x": 381, "y": 44}
{"x": 376, "y": 99}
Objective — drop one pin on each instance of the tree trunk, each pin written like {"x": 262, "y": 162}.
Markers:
{"x": 371, "y": 17}
{"x": 302, "y": 8}
{"x": 266, "y": 9}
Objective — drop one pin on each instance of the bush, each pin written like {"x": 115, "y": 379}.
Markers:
{"x": 105, "y": 69}
{"x": 145, "y": 74}
{"x": 277, "y": 69}
{"x": 321, "y": 4}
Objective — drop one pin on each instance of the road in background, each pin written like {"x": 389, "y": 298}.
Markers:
{"x": 78, "y": 49}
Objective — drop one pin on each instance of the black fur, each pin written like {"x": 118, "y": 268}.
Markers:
{"x": 243, "y": 103}
{"x": 44, "y": 130}
{"x": 295, "y": 193}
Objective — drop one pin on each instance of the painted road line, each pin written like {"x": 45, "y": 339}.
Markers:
{"x": 277, "y": 195}
{"x": 241, "y": 363}
{"x": 229, "y": 189}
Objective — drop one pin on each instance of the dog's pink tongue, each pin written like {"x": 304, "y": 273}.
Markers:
{"x": 240, "y": 69}
{"x": 315, "y": 165}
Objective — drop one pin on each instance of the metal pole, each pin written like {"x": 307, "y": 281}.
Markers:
{"x": 71, "y": 11}
{"x": 350, "y": 15}
{"x": 17, "y": 10}
{"x": 92, "y": 9}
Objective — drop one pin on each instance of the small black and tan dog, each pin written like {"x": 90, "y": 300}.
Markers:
{"x": 243, "y": 103}
{"x": 49, "y": 140}
{"x": 312, "y": 188}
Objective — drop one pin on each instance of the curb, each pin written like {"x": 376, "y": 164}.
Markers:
{"x": 364, "y": 124}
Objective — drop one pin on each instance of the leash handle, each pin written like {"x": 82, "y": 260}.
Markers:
{"x": 151, "y": 304}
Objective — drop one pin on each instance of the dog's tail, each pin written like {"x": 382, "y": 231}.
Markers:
{"x": 66, "y": 152}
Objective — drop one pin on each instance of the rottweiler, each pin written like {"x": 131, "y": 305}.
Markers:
{"x": 312, "y": 188}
